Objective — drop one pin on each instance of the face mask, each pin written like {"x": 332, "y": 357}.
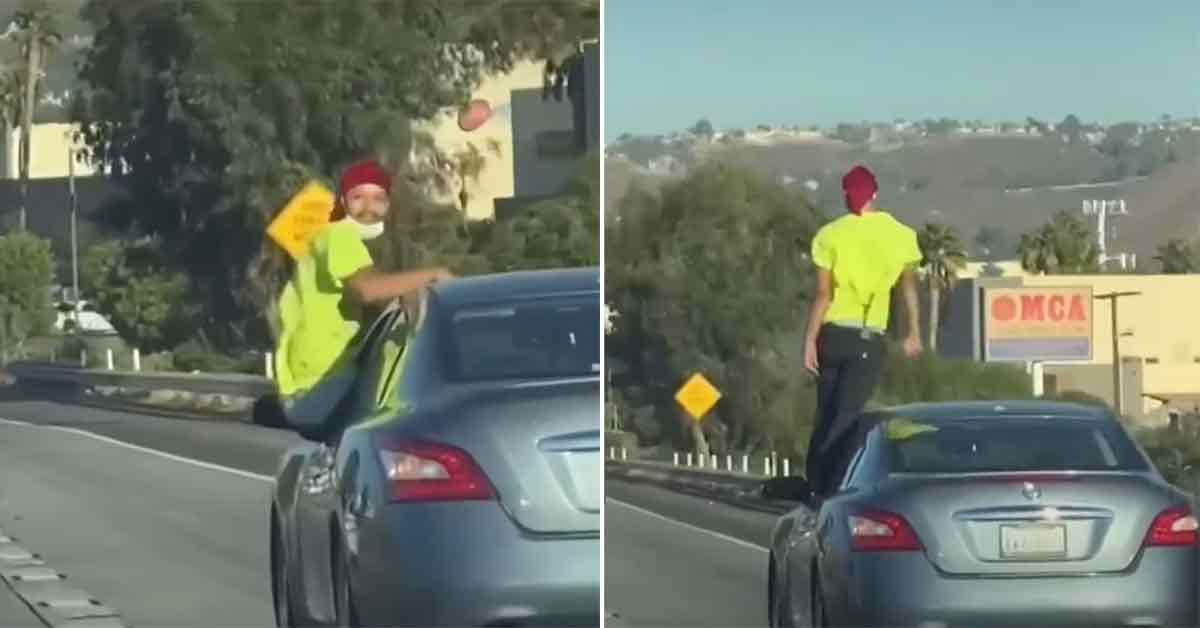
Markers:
{"x": 365, "y": 231}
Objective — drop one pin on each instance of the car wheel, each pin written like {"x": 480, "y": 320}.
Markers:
{"x": 345, "y": 616}
{"x": 279, "y": 582}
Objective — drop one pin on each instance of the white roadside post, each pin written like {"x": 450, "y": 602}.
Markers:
{"x": 109, "y": 356}
{"x": 137, "y": 360}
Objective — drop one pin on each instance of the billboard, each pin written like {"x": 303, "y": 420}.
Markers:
{"x": 1037, "y": 324}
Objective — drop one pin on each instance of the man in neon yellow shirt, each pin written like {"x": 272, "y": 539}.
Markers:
{"x": 321, "y": 307}
{"x": 860, "y": 257}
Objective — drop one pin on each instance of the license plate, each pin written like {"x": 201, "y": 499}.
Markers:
{"x": 1037, "y": 541}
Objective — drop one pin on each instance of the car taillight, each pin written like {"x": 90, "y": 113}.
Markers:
{"x": 422, "y": 471}
{"x": 878, "y": 531}
{"x": 1173, "y": 527}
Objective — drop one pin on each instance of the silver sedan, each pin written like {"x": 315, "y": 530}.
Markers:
{"x": 460, "y": 482}
{"x": 988, "y": 514}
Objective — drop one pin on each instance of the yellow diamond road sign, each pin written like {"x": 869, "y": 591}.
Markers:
{"x": 697, "y": 396}
{"x": 302, "y": 217}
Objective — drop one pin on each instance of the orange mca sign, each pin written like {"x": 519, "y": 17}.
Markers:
{"x": 1036, "y": 323}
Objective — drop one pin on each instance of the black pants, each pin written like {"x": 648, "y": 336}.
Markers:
{"x": 849, "y": 369}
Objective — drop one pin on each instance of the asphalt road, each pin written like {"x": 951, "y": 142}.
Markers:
{"x": 164, "y": 520}
{"x": 676, "y": 560}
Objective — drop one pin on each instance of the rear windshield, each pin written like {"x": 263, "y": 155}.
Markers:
{"x": 1009, "y": 444}
{"x": 546, "y": 338}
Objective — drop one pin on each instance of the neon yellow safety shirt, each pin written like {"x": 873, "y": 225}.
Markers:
{"x": 865, "y": 255}
{"x": 317, "y": 323}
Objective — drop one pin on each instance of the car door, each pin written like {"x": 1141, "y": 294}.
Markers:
{"x": 317, "y": 492}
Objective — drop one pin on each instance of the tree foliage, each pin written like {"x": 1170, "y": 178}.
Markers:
{"x": 26, "y": 270}
{"x": 1063, "y": 246}
{"x": 211, "y": 113}
{"x": 942, "y": 258}
{"x": 1178, "y": 257}
{"x": 148, "y": 305}
{"x": 711, "y": 276}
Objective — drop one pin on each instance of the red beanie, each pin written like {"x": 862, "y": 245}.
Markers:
{"x": 860, "y": 187}
{"x": 368, "y": 171}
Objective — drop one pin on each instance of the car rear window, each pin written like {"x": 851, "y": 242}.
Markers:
{"x": 545, "y": 338}
{"x": 995, "y": 444}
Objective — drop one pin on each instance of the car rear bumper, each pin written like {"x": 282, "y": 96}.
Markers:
{"x": 467, "y": 564}
{"x": 905, "y": 590}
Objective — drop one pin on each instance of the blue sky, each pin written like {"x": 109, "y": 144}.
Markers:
{"x": 745, "y": 62}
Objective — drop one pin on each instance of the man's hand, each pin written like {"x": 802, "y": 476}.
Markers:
{"x": 912, "y": 346}
{"x": 440, "y": 274}
{"x": 810, "y": 356}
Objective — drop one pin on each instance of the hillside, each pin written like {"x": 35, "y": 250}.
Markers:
{"x": 1011, "y": 185}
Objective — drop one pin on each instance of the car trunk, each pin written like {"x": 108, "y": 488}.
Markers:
{"x": 1026, "y": 524}
{"x": 540, "y": 445}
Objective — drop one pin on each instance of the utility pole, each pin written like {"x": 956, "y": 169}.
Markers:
{"x": 74, "y": 233}
{"x": 1112, "y": 297}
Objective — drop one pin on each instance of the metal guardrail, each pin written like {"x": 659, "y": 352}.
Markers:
{"x": 738, "y": 465}
{"x": 205, "y": 383}
{"x": 732, "y": 487}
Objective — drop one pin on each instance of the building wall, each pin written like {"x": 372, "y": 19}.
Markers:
{"x": 539, "y": 170}
{"x": 51, "y": 144}
{"x": 1158, "y": 334}
{"x": 496, "y": 180}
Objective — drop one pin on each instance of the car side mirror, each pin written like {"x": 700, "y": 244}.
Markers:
{"x": 791, "y": 488}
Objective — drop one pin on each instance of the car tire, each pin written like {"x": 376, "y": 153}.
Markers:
{"x": 280, "y": 586}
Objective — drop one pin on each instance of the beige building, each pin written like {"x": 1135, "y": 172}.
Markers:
{"x": 518, "y": 114}
{"x": 52, "y": 144}
{"x": 530, "y": 146}
{"x": 1157, "y": 334}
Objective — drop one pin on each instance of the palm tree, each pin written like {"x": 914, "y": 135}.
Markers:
{"x": 1177, "y": 257}
{"x": 942, "y": 257}
{"x": 1062, "y": 246}
{"x": 37, "y": 35}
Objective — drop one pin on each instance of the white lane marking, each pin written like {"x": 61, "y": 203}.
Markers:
{"x": 677, "y": 522}
{"x": 154, "y": 452}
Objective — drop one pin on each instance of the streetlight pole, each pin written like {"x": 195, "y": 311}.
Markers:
{"x": 1112, "y": 297}
{"x": 74, "y": 233}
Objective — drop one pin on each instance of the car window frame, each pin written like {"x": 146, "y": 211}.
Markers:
{"x": 414, "y": 327}
{"x": 448, "y": 348}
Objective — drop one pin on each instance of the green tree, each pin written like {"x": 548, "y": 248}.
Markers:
{"x": 1178, "y": 257}
{"x": 555, "y": 233}
{"x": 702, "y": 128}
{"x": 942, "y": 258}
{"x": 148, "y": 305}
{"x": 1063, "y": 246}
{"x": 26, "y": 272}
{"x": 1072, "y": 128}
{"x": 712, "y": 275}
{"x": 37, "y": 34}
{"x": 211, "y": 113}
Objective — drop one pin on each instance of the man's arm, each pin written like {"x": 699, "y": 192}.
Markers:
{"x": 371, "y": 287}
{"x": 820, "y": 305}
